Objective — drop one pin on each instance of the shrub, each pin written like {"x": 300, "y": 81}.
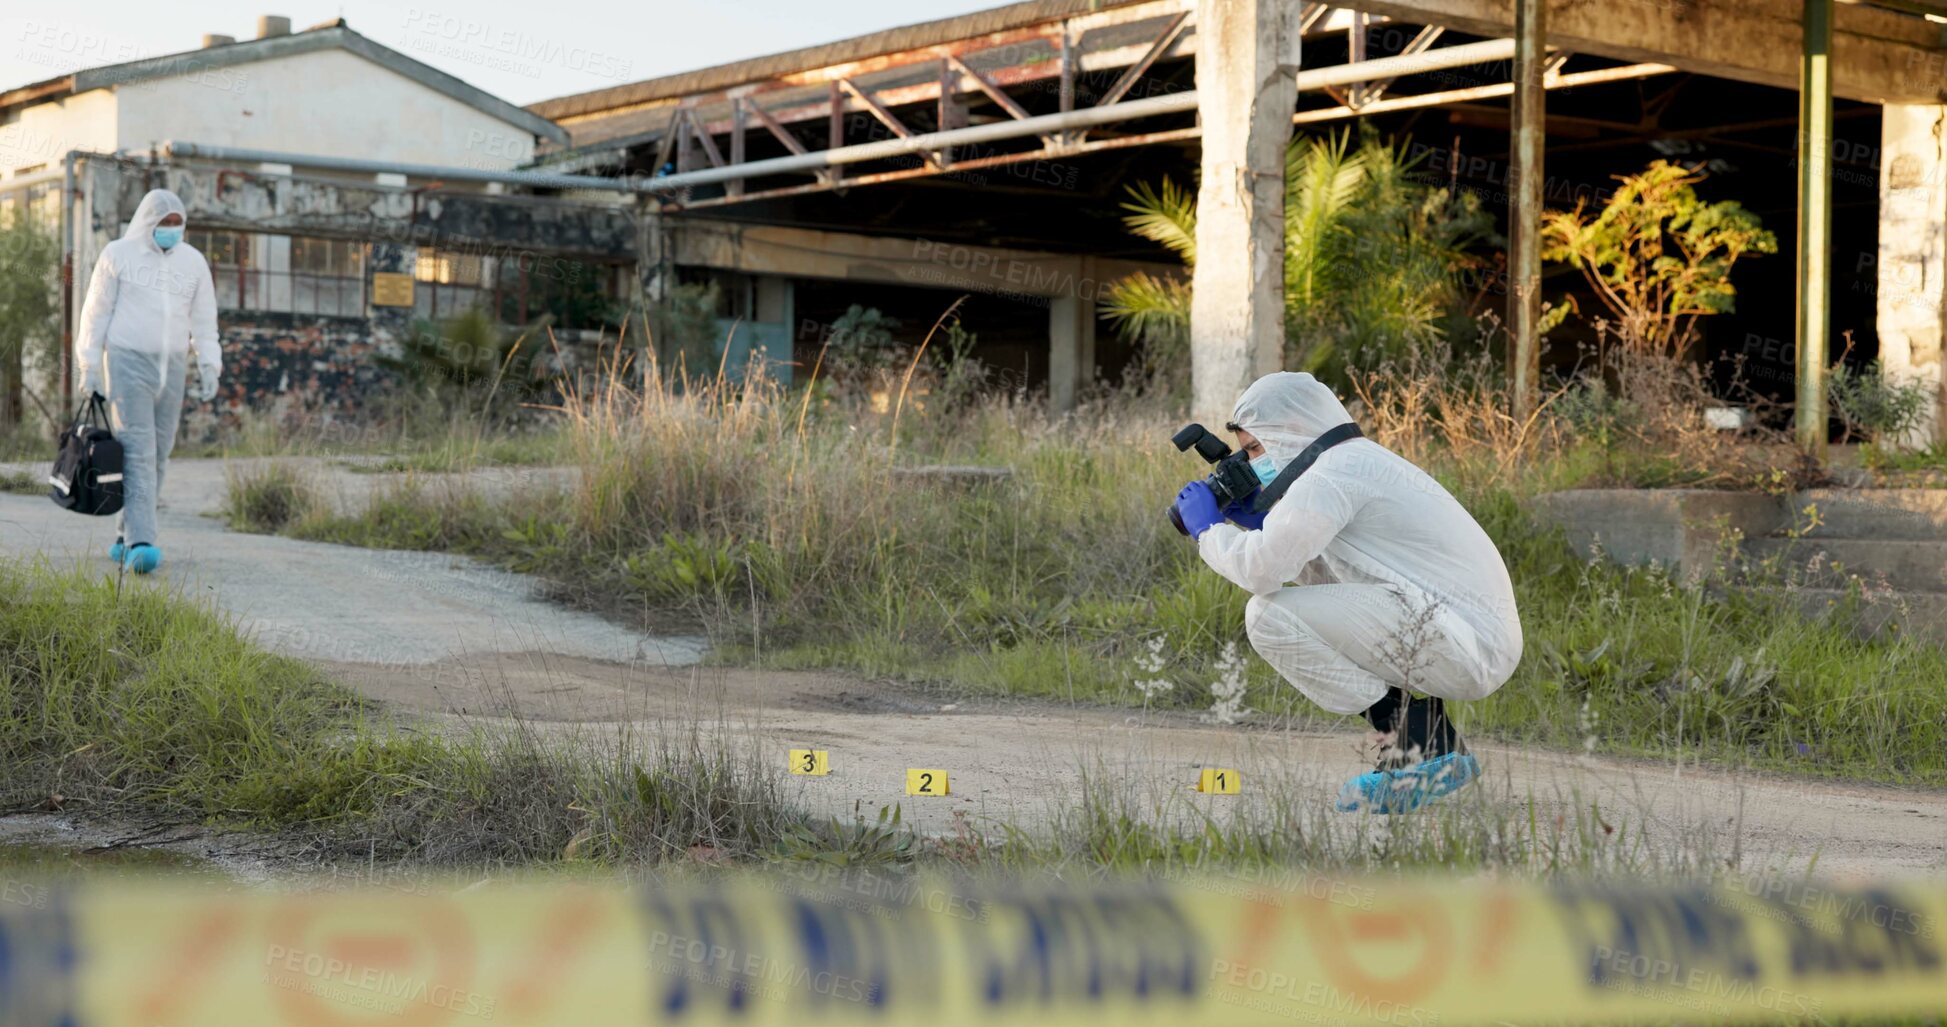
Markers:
{"x": 270, "y": 497}
{"x": 1657, "y": 256}
{"x": 1876, "y": 405}
{"x": 1371, "y": 265}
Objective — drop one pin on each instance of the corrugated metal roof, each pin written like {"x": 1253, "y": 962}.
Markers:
{"x": 857, "y": 48}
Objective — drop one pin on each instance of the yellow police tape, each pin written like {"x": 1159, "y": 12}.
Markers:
{"x": 829, "y": 946}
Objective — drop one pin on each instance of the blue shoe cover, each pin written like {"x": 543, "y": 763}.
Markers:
{"x": 142, "y": 558}
{"x": 1409, "y": 788}
{"x": 117, "y": 551}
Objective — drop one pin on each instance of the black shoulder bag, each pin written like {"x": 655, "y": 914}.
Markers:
{"x": 87, "y": 476}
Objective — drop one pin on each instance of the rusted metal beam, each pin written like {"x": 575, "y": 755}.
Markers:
{"x": 1355, "y": 53}
{"x": 1177, "y": 103}
{"x": 1417, "y": 44}
{"x": 735, "y": 186}
{"x": 994, "y": 92}
{"x": 709, "y": 145}
{"x": 778, "y": 131}
{"x": 872, "y": 107}
{"x": 834, "y": 131}
{"x": 666, "y": 144}
{"x": 1451, "y": 96}
{"x": 685, "y": 159}
{"x": 944, "y": 111}
{"x": 884, "y": 116}
{"x": 1136, "y": 70}
{"x": 882, "y": 177}
{"x": 1176, "y": 135}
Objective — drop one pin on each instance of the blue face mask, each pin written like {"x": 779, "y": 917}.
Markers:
{"x": 1266, "y": 469}
{"x": 167, "y": 236}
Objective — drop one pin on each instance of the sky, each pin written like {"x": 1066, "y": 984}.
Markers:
{"x": 520, "y": 50}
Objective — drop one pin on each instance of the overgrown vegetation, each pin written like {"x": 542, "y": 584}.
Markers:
{"x": 30, "y": 264}
{"x": 1879, "y": 407}
{"x": 144, "y": 704}
{"x": 1657, "y": 256}
{"x": 1372, "y": 265}
{"x": 802, "y": 537}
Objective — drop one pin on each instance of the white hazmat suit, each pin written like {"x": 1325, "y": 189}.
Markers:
{"x": 147, "y": 309}
{"x": 1397, "y": 585}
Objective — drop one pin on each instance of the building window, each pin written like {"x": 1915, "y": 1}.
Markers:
{"x": 327, "y": 277}
{"x": 285, "y": 274}
{"x": 451, "y": 283}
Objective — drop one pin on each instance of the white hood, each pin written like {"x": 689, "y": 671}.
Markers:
{"x": 1371, "y": 518}
{"x": 143, "y": 299}
{"x": 158, "y": 204}
{"x": 1286, "y": 411}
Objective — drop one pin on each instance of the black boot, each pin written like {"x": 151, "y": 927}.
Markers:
{"x": 1419, "y": 727}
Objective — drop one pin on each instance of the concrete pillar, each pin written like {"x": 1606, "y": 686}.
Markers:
{"x": 1071, "y": 349}
{"x": 1247, "y": 61}
{"x": 1912, "y": 292}
{"x": 655, "y": 274}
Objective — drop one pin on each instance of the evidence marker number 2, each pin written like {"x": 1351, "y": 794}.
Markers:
{"x": 926, "y": 782}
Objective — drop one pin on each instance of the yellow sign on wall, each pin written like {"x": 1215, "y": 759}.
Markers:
{"x": 391, "y": 289}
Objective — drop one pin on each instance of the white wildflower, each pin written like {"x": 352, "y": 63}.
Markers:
{"x": 1227, "y": 691}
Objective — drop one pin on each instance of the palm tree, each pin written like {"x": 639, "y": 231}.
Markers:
{"x": 1370, "y": 262}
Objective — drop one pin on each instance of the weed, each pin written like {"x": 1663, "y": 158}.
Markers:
{"x": 270, "y": 497}
{"x": 796, "y": 536}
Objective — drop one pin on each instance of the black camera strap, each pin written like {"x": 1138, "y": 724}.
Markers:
{"x": 1288, "y": 477}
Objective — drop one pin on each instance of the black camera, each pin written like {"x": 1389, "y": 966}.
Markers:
{"x": 1231, "y": 478}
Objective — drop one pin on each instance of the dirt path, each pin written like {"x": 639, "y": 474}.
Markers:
{"x": 333, "y": 603}
{"x": 464, "y": 644}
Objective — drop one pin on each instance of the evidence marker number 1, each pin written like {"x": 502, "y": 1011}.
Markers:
{"x": 926, "y": 782}
{"x": 1219, "y": 781}
{"x": 815, "y": 762}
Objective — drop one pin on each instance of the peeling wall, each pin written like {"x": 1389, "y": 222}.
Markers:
{"x": 295, "y": 369}
{"x": 316, "y": 370}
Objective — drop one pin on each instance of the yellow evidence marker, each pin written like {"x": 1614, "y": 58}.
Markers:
{"x": 1219, "y": 781}
{"x": 815, "y": 762}
{"x": 926, "y": 782}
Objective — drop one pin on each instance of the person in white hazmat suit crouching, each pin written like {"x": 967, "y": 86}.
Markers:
{"x": 150, "y": 304}
{"x": 1369, "y": 582}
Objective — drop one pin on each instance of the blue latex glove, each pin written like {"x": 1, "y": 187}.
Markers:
{"x": 1241, "y": 514}
{"x": 1198, "y": 508}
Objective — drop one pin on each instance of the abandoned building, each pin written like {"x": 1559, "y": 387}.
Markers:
{"x": 987, "y": 156}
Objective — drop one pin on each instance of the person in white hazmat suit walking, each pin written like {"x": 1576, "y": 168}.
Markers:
{"x": 150, "y": 304}
{"x": 1369, "y": 582}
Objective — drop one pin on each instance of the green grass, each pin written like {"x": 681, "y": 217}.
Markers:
{"x": 805, "y": 547}
{"x": 143, "y": 701}
{"x": 1892, "y": 462}
{"x": 25, "y": 483}
{"x": 461, "y": 452}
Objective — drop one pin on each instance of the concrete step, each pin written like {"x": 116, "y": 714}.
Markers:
{"x": 1918, "y": 615}
{"x": 1897, "y": 514}
{"x": 1905, "y": 565}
